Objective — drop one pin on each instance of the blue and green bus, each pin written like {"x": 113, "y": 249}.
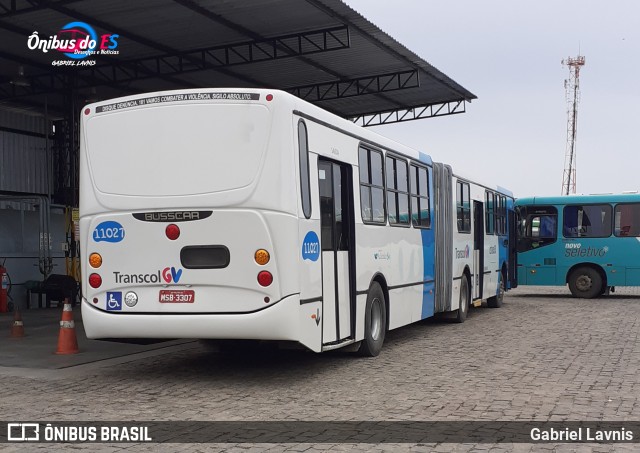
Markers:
{"x": 590, "y": 242}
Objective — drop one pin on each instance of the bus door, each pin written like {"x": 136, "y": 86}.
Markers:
{"x": 478, "y": 249}
{"x": 338, "y": 259}
{"x": 511, "y": 247}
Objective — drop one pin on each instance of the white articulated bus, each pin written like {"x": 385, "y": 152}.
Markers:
{"x": 251, "y": 214}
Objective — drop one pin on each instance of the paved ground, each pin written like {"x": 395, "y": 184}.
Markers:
{"x": 543, "y": 356}
{"x": 35, "y": 351}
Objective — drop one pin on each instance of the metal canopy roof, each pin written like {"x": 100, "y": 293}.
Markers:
{"x": 320, "y": 50}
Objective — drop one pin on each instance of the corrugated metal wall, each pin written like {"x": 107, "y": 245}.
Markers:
{"x": 23, "y": 158}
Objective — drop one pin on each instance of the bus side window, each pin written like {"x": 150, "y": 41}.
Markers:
{"x": 303, "y": 149}
{"x": 587, "y": 221}
{"x": 325, "y": 179}
{"x": 627, "y": 220}
{"x": 371, "y": 186}
{"x": 463, "y": 207}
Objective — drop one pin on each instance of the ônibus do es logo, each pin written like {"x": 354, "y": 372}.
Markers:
{"x": 77, "y": 41}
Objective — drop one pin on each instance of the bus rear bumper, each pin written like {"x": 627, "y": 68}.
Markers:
{"x": 278, "y": 322}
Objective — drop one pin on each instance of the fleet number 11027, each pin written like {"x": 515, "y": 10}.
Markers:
{"x": 108, "y": 233}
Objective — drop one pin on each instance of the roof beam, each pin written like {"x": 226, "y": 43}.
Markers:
{"x": 219, "y": 19}
{"x": 410, "y": 114}
{"x": 357, "y": 87}
{"x": 116, "y": 73}
{"x": 24, "y": 32}
{"x": 12, "y": 8}
{"x": 137, "y": 38}
{"x": 320, "y": 5}
{"x": 193, "y": 6}
{"x": 31, "y": 106}
{"x": 40, "y": 80}
{"x": 24, "y": 60}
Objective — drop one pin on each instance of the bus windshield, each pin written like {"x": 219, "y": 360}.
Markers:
{"x": 179, "y": 150}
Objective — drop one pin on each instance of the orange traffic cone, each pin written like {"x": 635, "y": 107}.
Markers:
{"x": 67, "y": 341}
{"x": 17, "y": 328}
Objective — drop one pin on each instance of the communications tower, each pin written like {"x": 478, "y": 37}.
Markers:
{"x": 572, "y": 90}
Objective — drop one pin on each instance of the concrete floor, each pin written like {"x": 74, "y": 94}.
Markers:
{"x": 36, "y": 350}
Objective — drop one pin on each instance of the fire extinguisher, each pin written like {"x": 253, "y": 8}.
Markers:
{"x": 4, "y": 289}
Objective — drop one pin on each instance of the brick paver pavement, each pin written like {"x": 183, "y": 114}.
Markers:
{"x": 543, "y": 356}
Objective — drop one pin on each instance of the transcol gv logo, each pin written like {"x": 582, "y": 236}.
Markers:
{"x": 168, "y": 275}
{"x": 77, "y": 40}
{"x": 464, "y": 253}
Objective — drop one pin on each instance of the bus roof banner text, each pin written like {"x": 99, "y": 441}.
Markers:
{"x": 182, "y": 97}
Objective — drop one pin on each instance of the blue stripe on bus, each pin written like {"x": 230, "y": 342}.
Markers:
{"x": 428, "y": 254}
{"x": 428, "y": 301}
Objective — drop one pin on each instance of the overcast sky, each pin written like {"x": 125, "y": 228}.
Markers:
{"x": 508, "y": 54}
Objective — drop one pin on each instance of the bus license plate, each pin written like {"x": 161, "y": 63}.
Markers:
{"x": 177, "y": 296}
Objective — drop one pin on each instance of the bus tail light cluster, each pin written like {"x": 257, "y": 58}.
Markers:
{"x": 172, "y": 231}
{"x": 95, "y": 261}
{"x": 265, "y": 278}
{"x": 261, "y": 258}
{"x": 95, "y": 280}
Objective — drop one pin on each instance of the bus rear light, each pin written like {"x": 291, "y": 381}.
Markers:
{"x": 95, "y": 260}
{"x": 265, "y": 278}
{"x": 172, "y": 231}
{"x": 269, "y": 97}
{"x": 95, "y": 280}
{"x": 262, "y": 257}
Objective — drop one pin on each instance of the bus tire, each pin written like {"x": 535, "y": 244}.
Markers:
{"x": 496, "y": 301}
{"x": 461, "y": 312}
{"x": 375, "y": 322}
{"x": 585, "y": 282}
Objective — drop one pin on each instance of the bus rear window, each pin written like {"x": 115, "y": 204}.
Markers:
{"x": 177, "y": 150}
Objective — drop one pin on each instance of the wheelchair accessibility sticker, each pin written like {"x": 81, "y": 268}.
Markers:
{"x": 114, "y": 301}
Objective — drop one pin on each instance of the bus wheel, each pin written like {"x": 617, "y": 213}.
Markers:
{"x": 461, "y": 313}
{"x": 585, "y": 282}
{"x": 496, "y": 301}
{"x": 375, "y": 322}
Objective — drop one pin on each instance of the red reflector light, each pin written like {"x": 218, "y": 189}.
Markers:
{"x": 87, "y": 111}
{"x": 265, "y": 278}
{"x": 95, "y": 280}
{"x": 173, "y": 232}
{"x": 269, "y": 97}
